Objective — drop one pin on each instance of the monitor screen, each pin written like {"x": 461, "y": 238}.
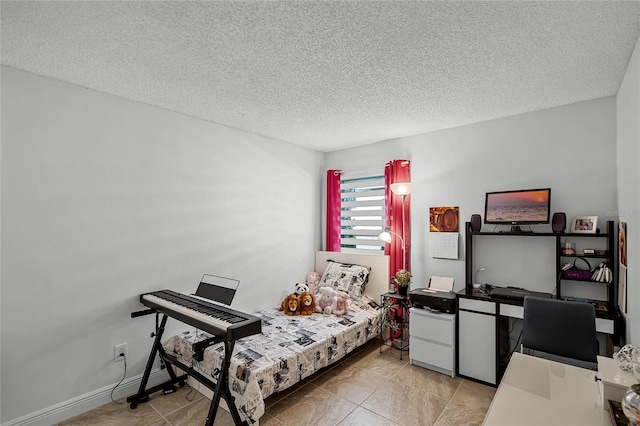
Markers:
{"x": 521, "y": 207}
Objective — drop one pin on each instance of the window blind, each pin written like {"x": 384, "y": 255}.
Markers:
{"x": 362, "y": 214}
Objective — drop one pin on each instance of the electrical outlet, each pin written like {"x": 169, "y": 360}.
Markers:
{"x": 120, "y": 352}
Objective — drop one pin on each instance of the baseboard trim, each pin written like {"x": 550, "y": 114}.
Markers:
{"x": 86, "y": 402}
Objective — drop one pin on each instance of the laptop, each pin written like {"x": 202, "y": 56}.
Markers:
{"x": 220, "y": 290}
{"x": 513, "y": 293}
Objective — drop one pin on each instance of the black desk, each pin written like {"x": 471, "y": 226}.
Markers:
{"x": 488, "y": 331}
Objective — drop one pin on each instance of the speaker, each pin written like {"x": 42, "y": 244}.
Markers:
{"x": 476, "y": 222}
{"x": 559, "y": 222}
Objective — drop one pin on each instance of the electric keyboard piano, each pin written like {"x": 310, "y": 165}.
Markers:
{"x": 225, "y": 324}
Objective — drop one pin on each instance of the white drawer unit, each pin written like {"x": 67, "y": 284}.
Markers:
{"x": 432, "y": 340}
{"x": 477, "y": 305}
{"x": 604, "y": 326}
{"x": 512, "y": 311}
{"x": 614, "y": 381}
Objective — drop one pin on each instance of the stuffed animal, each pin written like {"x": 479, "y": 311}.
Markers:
{"x": 301, "y": 287}
{"x": 312, "y": 280}
{"x": 290, "y": 305}
{"x": 307, "y": 302}
{"x": 342, "y": 303}
{"x": 326, "y": 300}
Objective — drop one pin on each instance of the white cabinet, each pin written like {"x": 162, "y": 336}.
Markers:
{"x": 477, "y": 340}
{"x": 614, "y": 380}
{"x": 432, "y": 340}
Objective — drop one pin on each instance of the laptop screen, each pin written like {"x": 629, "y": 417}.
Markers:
{"x": 218, "y": 289}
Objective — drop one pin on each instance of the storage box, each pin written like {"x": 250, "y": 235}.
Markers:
{"x": 577, "y": 275}
{"x": 615, "y": 382}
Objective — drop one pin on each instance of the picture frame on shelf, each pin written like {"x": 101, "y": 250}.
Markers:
{"x": 584, "y": 225}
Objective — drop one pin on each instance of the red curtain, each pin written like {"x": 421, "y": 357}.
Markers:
{"x": 333, "y": 210}
{"x": 397, "y": 171}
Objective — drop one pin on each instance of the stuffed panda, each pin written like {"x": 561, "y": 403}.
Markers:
{"x": 300, "y": 287}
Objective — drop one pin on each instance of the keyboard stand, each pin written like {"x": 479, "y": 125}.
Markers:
{"x": 220, "y": 387}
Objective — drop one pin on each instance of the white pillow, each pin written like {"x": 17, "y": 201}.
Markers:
{"x": 349, "y": 278}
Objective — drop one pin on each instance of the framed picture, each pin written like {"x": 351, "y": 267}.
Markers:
{"x": 584, "y": 225}
{"x": 443, "y": 219}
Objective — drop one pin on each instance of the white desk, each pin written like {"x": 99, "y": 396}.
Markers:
{"x": 536, "y": 391}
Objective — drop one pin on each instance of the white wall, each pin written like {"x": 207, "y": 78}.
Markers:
{"x": 104, "y": 199}
{"x": 570, "y": 149}
{"x": 628, "y": 108}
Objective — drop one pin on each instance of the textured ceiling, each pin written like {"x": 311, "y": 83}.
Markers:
{"x": 330, "y": 75}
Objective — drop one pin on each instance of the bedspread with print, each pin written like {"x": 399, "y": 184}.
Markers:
{"x": 289, "y": 349}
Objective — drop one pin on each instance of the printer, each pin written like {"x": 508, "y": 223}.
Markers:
{"x": 438, "y": 296}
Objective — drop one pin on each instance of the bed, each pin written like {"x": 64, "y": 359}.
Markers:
{"x": 292, "y": 348}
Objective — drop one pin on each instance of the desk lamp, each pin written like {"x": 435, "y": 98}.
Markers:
{"x": 476, "y": 284}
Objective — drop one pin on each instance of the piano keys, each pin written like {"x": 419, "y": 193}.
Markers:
{"x": 224, "y": 322}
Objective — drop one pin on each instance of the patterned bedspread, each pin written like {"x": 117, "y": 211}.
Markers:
{"x": 289, "y": 349}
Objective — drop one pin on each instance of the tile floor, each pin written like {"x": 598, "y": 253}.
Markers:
{"x": 366, "y": 388}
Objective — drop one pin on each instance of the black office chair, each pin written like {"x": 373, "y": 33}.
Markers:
{"x": 560, "y": 328}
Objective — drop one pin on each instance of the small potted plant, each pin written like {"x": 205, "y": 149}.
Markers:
{"x": 403, "y": 278}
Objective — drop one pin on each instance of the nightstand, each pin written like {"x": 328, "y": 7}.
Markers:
{"x": 615, "y": 381}
{"x": 394, "y": 327}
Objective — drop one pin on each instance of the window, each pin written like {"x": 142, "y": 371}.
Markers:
{"x": 362, "y": 214}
